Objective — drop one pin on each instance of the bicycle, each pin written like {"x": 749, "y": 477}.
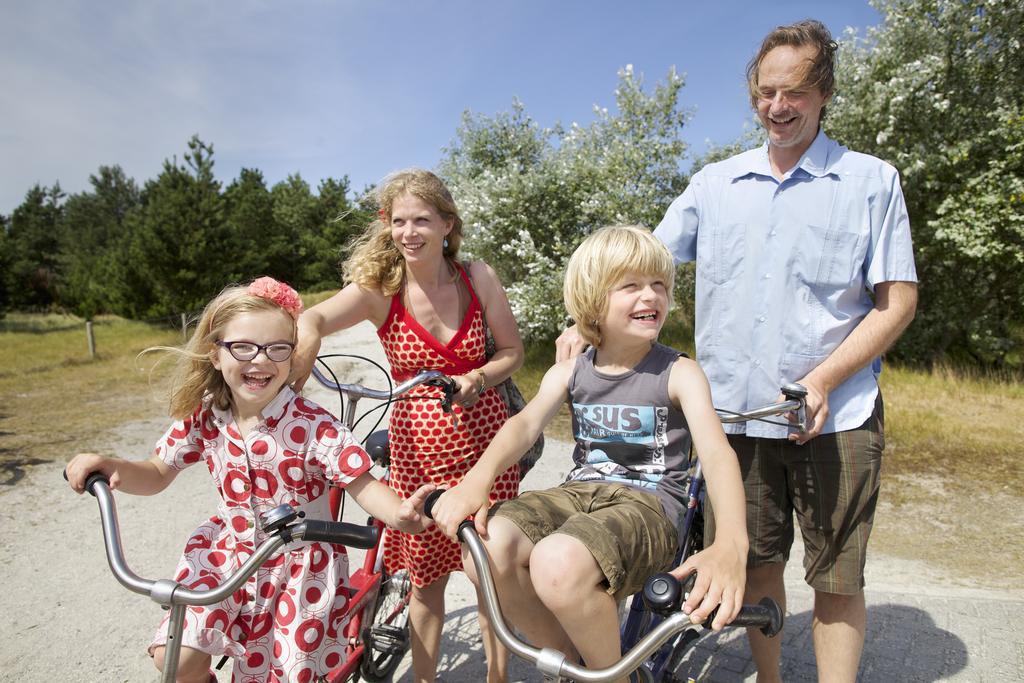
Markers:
{"x": 655, "y": 633}
{"x": 377, "y": 629}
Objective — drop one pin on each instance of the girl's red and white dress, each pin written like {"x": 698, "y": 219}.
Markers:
{"x": 431, "y": 446}
{"x": 285, "y": 623}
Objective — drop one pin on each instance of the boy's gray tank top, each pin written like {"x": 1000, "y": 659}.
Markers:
{"x": 628, "y": 431}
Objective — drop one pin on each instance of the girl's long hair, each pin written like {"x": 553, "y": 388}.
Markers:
{"x": 376, "y": 264}
{"x": 194, "y": 376}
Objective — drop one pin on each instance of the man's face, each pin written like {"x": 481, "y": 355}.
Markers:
{"x": 788, "y": 107}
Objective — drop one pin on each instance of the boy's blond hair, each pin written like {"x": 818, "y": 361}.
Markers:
{"x": 375, "y": 262}
{"x": 194, "y": 376}
{"x": 601, "y": 260}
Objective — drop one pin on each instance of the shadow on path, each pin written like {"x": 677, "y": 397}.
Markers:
{"x": 903, "y": 643}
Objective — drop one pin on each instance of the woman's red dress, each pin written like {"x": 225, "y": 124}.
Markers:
{"x": 430, "y": 446}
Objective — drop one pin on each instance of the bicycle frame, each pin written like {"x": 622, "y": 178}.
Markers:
{"x": 283, "y": 528}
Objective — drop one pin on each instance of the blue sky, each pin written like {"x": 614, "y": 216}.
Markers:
{"x": 326, "y": 89}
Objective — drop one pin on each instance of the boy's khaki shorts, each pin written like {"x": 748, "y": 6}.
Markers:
{"x": 624, "y": 528}
{"x": 831, "y": 483}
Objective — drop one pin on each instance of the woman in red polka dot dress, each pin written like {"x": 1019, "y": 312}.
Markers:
{"x": 431, "y": 312}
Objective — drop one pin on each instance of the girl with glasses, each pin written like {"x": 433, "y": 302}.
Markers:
{"x": 264, "y": 446}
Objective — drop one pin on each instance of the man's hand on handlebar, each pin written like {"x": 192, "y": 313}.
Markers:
{"x": 721, "y": 579}
{"x": 816, "y": 411}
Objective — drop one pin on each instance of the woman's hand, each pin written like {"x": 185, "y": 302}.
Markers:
{"x": 304, "y": 357}
{"x": 470, "y": 385}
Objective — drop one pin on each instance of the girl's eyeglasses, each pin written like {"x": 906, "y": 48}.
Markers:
{"x": 243, "y": 350}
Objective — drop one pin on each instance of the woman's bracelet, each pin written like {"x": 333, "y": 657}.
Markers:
{"x": 483, "y": 382}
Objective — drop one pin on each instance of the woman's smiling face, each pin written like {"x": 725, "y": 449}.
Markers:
{"x": 417, "y": 228}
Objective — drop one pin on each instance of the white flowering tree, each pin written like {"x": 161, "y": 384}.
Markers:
{"x": 938, "y": 90}
{"x": 529, "y": 194}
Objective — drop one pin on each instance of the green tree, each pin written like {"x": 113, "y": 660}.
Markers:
{"x": 94, "y": 235}
{"x": 938, "y": 90}
{"x": 180, "y": 248}
{"x": 528, "y": 194}
{"x": 6, "y": 285}
{"x": 249, "y": 217}
{"x": 32, "y": 245}
{"x": 295, "y": 214}
{"x": 337, "y": 221}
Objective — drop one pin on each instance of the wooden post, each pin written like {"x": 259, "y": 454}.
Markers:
{"x": 92, "y": 339}
{"x": 184, "y": 328}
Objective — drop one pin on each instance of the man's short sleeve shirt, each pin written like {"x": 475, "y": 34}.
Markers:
{"x": 784, "y": 270}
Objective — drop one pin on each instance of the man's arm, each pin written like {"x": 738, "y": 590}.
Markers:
{"x": 895, "y": 305}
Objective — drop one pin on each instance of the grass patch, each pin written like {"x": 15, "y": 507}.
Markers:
{"x": 55, "y": 401}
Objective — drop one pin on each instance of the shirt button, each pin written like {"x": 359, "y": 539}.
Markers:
{"x": 757, "y": 363}
{"x": 772, "y": 233}
{"x": 761, "y": 319}
{"x": 767, "y": 276}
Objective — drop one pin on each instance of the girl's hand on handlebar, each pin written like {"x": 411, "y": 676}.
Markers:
{"x": 456, "y": 505}
{"x": 82, "y": 465}
{"x": 409, "y": 517}
{"x": 721, "y": 578}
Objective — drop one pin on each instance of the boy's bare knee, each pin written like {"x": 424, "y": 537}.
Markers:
{"x": 563, "y": 571}
{"x": 507, "y": 545}
{"x": 469, "y": 567}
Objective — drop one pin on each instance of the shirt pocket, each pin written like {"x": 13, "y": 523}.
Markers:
{"x": 827, "y": 257}
{"x": 793, "y": 367}
{"x": 720, "y": 249}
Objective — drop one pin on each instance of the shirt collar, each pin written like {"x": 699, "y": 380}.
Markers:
{"x": 815, "y": 160}
{"x": 275, "y": 407}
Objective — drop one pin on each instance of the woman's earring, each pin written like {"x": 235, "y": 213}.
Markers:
{"x": 445, "y": 242}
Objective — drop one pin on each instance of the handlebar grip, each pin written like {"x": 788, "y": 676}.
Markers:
{"x": 342, "y": 533}
{"x": 794, "y": 391}
{"x": 765, "y": 615}
{"x": 428, "y": 504}
{"x": 91, "y": 480}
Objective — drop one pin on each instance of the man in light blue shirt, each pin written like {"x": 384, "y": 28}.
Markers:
{"x": 805, "y": 273}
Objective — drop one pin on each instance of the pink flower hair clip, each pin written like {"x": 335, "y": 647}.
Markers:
{"x": 383, "y": 215}
{"x": 281, "y": 294}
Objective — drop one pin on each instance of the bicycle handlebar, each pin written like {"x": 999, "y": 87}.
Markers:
{"x": 286, "y": 528}
{"x": 431, "y": 377}
{"x": 796, "y": 395}
{"x": 767, "y": 616}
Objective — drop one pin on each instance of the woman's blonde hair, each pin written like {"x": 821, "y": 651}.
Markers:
{"x": 194, "y": 374}
{"x": 376, "y": 263}
{"x": 600, "y": 261}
